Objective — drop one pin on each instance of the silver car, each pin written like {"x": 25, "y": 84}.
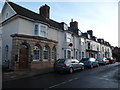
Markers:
{"x": 67, "y": 65}
{"x": 103, "y": 61}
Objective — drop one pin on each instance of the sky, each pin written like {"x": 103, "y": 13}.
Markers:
{"x": 101, "y": 17}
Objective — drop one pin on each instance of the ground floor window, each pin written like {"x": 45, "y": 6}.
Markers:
{"x": 6, "y": 52}
{"x": 64, "y": 53}
{"x": 76, "y": 55}
{"x": 0, "y": 54}
{"x": 79, "y": 55}
{"x": 36, "y": 53}
{"x": 69, "y": 54}
{"x": 82, "y": 54}
{"x": 54, "y": 53}
{"x": 46, "y": 52}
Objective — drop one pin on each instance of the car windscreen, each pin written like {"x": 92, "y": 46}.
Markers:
{"x": 84, "y": 59}
{"x": 60, "y": 61}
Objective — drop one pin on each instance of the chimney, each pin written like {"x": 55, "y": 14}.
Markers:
{"x": 73, "y": 25}
{"x": 44, "y": 11}
{"x": 90, "y": 32}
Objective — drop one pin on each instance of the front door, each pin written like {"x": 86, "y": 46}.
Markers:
{"x": 23, "y": 57}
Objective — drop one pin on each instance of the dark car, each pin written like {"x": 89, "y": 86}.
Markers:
{"x": 111, "y": 60}
{"x": 67, "y": 65}
{"x": 89, "y": 62}
{"x": 103, "y": 61}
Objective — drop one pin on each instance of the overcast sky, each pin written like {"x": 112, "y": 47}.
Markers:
{"x": 101, "y": 17}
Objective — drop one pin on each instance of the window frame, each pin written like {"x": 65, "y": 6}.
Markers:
{"x": 36, "y": 30}
{"x": 43, "y": 31}
{"x": 37, "y": 48}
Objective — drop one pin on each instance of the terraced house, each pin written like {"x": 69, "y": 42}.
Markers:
{"x": 33, "y": 40}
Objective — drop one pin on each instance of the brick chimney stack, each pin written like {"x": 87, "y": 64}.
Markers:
{"x": 73, "y": 24}
{"x": 45, "y": 11}
{"x": 90, "y": 32}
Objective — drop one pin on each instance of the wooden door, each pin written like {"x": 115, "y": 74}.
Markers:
{"x": 23, "y": 59}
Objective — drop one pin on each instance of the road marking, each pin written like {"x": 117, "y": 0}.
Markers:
{"x": 62, "y": 83}
{"x": 106, "y": 79}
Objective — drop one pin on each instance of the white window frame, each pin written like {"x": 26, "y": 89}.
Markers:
{"x": 46, "y": 50}
{"x": 68, "y": 37}
{"x": 53, "y": 53}
{"x": 36, "y": 48}
{"x": 43, "y": 31}
{"x": 35, "y": 29}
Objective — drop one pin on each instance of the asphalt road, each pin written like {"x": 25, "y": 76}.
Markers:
{"x": 105, "y": 76}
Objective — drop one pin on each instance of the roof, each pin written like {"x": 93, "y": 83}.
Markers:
{"x": 32, "y": 15}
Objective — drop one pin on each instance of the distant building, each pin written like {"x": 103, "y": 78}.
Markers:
{"x": 116, "y": 53}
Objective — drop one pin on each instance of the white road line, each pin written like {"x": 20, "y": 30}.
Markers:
{"x": 106, "y": 79}
{"x": 62, "y": 83}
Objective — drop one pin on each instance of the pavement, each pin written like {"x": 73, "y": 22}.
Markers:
{"x": 18, "y": 74}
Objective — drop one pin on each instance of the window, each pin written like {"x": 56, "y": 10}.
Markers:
{"x": 69, "y": 54}
{"x": 43, "y": 31}
{"x": 46, "y": 52}
{"x": 88, "y": 45}
{"x": 97, "y": 48}
{"x": 65, "y": 27}
{"x": 76, "y": 55}
{"x": 79, "y": 55}
{"x": 67, "y": 37}
{"x": 36, "y": 29}
{"x": 36, "y": 53}
{"x": 82, "y": 43}
{"x": 7, "y": 15}
{"x": 82, "y": 54}
{"x": 54, "y": 53}
{"x": 6, "y": 52}
{"x": 103, "y": 49}
{"x": 0, "y": 54}
{"x": 64, "y": 53}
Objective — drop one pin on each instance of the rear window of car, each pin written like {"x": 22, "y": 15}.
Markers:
{"x": 60, "y": 61}
{"x": 92, "y": 59}
{"x": 84, "y": 59}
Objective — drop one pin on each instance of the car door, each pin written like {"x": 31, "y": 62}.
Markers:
{"x": 74, "y": 64}
{"x": 93, "y": 61}
{"x": 78, "y": 65}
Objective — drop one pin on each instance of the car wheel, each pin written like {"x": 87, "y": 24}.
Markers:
{"x": 71, "y": 70}
{"x": 82, "y": 68}
{"x": 91, "y": 66}
{"x": 97, "y": 65}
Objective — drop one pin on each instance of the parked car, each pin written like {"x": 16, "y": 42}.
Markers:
{"x": 67, "y": 65}
{"x": 89, "y": 62}
{"x": 111, "y": 60}
{"x": 103, "y": 61}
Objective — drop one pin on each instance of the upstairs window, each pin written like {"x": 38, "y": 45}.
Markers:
{"x": 43, "y": 31}
{"x": 69, "y": 54}
{"x": 6, "y": 15}
{"x": 36, "y": 29}
{"x": 88, "y": 45}
{"x": 67, "y": 37}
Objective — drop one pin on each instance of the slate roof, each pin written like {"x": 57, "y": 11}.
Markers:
{"x": 32, "y": 15}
